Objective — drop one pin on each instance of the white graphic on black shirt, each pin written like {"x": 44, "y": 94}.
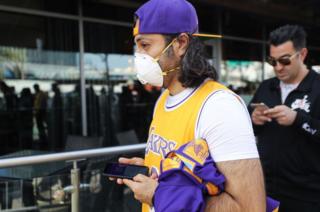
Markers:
{"x": 302, "y": 104}
{"x": 307, "y": 128}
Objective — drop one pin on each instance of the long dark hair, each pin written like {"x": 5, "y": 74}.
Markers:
{"x": 195, "y": 67}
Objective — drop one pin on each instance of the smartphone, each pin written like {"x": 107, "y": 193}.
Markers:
{"x": 124, "y": 171}
{"x": 261, "y": 106}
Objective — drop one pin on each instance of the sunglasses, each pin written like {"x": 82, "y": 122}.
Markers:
{"x": 286, "y": 60}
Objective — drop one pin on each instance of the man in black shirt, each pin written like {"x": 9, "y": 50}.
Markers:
{"x": 288, "y": 129}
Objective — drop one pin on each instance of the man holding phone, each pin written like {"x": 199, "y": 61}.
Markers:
{"x": 288, "y": 132}
{"x": 193, "y": 105}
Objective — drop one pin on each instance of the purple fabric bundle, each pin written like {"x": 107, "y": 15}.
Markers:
{"x": 187, "y": 176}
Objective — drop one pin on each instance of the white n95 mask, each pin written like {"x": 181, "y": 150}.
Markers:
{"x": 148, "y": 69}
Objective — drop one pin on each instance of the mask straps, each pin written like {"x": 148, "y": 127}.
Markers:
{"x": 165, "y": 49}
{"x": 164, "y": 73}
{"x": 171, "y": 70}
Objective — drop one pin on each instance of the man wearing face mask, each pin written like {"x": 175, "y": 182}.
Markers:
{"x": 289, "y": 131}
{"x": 193, "y": 106}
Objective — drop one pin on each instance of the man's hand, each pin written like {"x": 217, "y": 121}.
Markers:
{"x": 143, "y": 187}
{"x": 258, "y": 117}
{"x": 282, "y": 114}
{"x": 132, "y": 161}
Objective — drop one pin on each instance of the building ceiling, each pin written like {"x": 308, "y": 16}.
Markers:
{"x": 306, "y": 11}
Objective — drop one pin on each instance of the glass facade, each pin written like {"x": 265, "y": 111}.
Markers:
{"x": 38, "y": 70}
{"x": 51, "y": 89}
{"x": 41, "y": 98}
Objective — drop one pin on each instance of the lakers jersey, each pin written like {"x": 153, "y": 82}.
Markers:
{"x": 172, "y": 128}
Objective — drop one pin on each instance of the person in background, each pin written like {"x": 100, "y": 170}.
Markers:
{"x": 288, "y": 132}
{"x": 57, "y": 134}
{"x": 26, "y": 118}
{"x": 10, "y": 98}
{"x": 40, "y": 112}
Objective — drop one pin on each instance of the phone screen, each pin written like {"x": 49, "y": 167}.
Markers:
{"x": 119, "y": 170}
{"x": 261, "y": 106}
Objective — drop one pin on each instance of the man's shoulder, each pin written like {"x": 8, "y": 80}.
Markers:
{"x": 312, "y": 81}
{"x": 268, "y": 84}
{"x": 317, "y": 76}
{"x": 270, "y": 81}
{"x": 315, "y": 87}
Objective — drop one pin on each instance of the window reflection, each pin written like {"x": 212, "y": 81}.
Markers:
{"x": 124, "y": 105}
{"x": 40, "y": 98}
{"x": 243, "y": 77}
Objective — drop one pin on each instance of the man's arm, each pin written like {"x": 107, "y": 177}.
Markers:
{"x": 310, "y": 125}
{"x": 244, "y": 188}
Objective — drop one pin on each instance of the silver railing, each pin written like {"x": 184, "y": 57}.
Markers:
{"x": 73, "y": 156}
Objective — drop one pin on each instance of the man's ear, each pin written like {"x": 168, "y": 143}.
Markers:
{"x": 181, "y": 45}
{"x": 303, "y": 53}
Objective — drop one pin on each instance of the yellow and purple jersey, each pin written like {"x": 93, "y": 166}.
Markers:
{"x": 173, "y": 127}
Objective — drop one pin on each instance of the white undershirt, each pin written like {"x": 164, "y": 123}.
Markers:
{"x": 224, "y": 123}
{"x": 286, "y": 89}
